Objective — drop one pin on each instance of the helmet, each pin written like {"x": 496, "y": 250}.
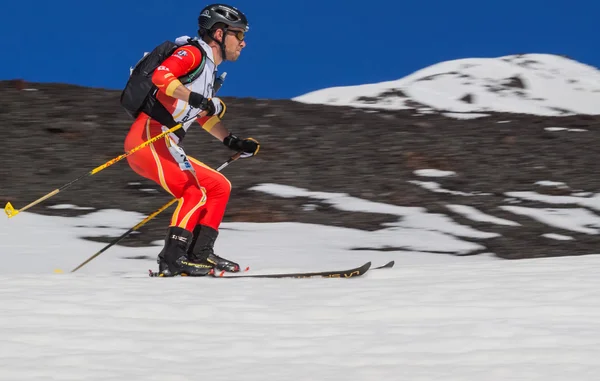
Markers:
{"x": 221, "y": 13}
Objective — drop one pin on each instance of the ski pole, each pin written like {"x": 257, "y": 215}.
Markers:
{"x": 145, "y": 220}
{"x": 11, "y": 212}
{"x": 136, "y": 227}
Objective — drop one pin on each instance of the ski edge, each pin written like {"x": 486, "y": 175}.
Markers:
{"x": 351, "y": 273}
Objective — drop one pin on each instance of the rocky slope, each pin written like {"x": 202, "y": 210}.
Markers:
{"x": 55, "y": 133}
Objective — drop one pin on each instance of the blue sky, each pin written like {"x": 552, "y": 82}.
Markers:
{"x": 293, "y": 46}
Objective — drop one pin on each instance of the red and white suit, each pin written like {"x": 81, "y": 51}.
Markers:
{"x": 202, "y": 192}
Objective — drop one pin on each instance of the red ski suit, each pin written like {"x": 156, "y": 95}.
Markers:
{"x": 202, "y": 195}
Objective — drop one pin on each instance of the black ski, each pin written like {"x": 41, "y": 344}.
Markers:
{"x": 388, "y": 265}
{"x": 351, "y": 273}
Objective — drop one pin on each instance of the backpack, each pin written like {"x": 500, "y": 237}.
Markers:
{"x": 139, "y": 94}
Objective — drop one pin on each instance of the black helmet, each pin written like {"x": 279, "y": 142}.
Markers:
{"x": 221, "y": 13}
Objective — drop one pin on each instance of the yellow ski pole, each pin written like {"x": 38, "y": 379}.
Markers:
{"x": 136, "y": 227}
{"x": 11, "y": 211}
{"x": 145, "y": 220}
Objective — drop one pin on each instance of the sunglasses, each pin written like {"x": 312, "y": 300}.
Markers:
{"x": 239, "y": 34}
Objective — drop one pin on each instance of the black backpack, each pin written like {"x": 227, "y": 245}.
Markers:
{"x": 139, "y": 94}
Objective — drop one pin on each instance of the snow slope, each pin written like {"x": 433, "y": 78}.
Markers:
{"x": 430, "y": 317}
{"x": 539, "y": 84}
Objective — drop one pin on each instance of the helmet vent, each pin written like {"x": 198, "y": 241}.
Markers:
{"x": 228, "y": 15}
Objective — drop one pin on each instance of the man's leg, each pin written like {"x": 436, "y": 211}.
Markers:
{"x": 218, "y": 190}
{"x": 156, "y": 163}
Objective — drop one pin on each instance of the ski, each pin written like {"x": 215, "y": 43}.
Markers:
{"x": 157, "y": 274}
{"x": 351, "y": 273}
{"x": 388, "y": 265}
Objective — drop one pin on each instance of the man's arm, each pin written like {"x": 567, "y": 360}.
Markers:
{"x": 182, "y": 61}
{"x": 219, "y": 131}
{"x": 181, "y": 92}
{"x": 213, "y": 125}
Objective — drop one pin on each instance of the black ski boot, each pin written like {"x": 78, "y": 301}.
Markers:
{"x": 202, "y": 250}
{"x": 173, "y": 259}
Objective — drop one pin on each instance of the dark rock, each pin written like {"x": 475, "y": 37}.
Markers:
{"x": 467, "y": 98}
{"x": 59, "y": 132}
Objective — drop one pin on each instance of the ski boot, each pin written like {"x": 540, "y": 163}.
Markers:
{"x": 173, "y": 259}
{"x": 202, "y": 250}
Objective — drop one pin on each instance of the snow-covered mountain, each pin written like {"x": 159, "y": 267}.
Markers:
{"x": 444, "y": 198}
{"x": 540, "y": 84}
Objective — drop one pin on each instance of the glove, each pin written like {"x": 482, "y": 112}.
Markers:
{"x": 214, "y": 106}
{"x": 249, "y": 146}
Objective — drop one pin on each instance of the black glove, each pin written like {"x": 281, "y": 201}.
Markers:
{"x": 249, "y": 146}
{"x": 211, "y": 105}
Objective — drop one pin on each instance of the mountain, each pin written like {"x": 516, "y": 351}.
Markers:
{"x": 538, "y": 84}
{"x": 517, "y": 185}
{"x": 332, "y": 187}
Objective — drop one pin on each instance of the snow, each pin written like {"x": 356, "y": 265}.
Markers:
{"x": 539, "y": 84}
{"x": 592, "y": 201}
{"x": 476, "y": 215}
{"x": 440, "y": 314}
{"x": 69, "y": 206}
{"x": 559, "y": 237}
{"x": 459, "y": 115}
{"x": 556, "y": 129}
{"x": 435, "y": 187}
{"x": 578, "y": 219}
{"x": 550, "y": 183}
{"x": 431, "y": 172}
{"x": 433, "y": 316}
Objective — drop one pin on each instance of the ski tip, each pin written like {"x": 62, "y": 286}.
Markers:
{"x": 388, "y": 265}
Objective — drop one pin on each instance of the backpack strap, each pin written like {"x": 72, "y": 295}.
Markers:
{"x": 190, "y": 77}
{"x": 157, "y": 111}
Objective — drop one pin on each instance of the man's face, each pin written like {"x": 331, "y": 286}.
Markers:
{"x": 234, "y": 43}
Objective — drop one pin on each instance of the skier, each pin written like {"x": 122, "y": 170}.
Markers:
{"x": 202, "y": 192}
